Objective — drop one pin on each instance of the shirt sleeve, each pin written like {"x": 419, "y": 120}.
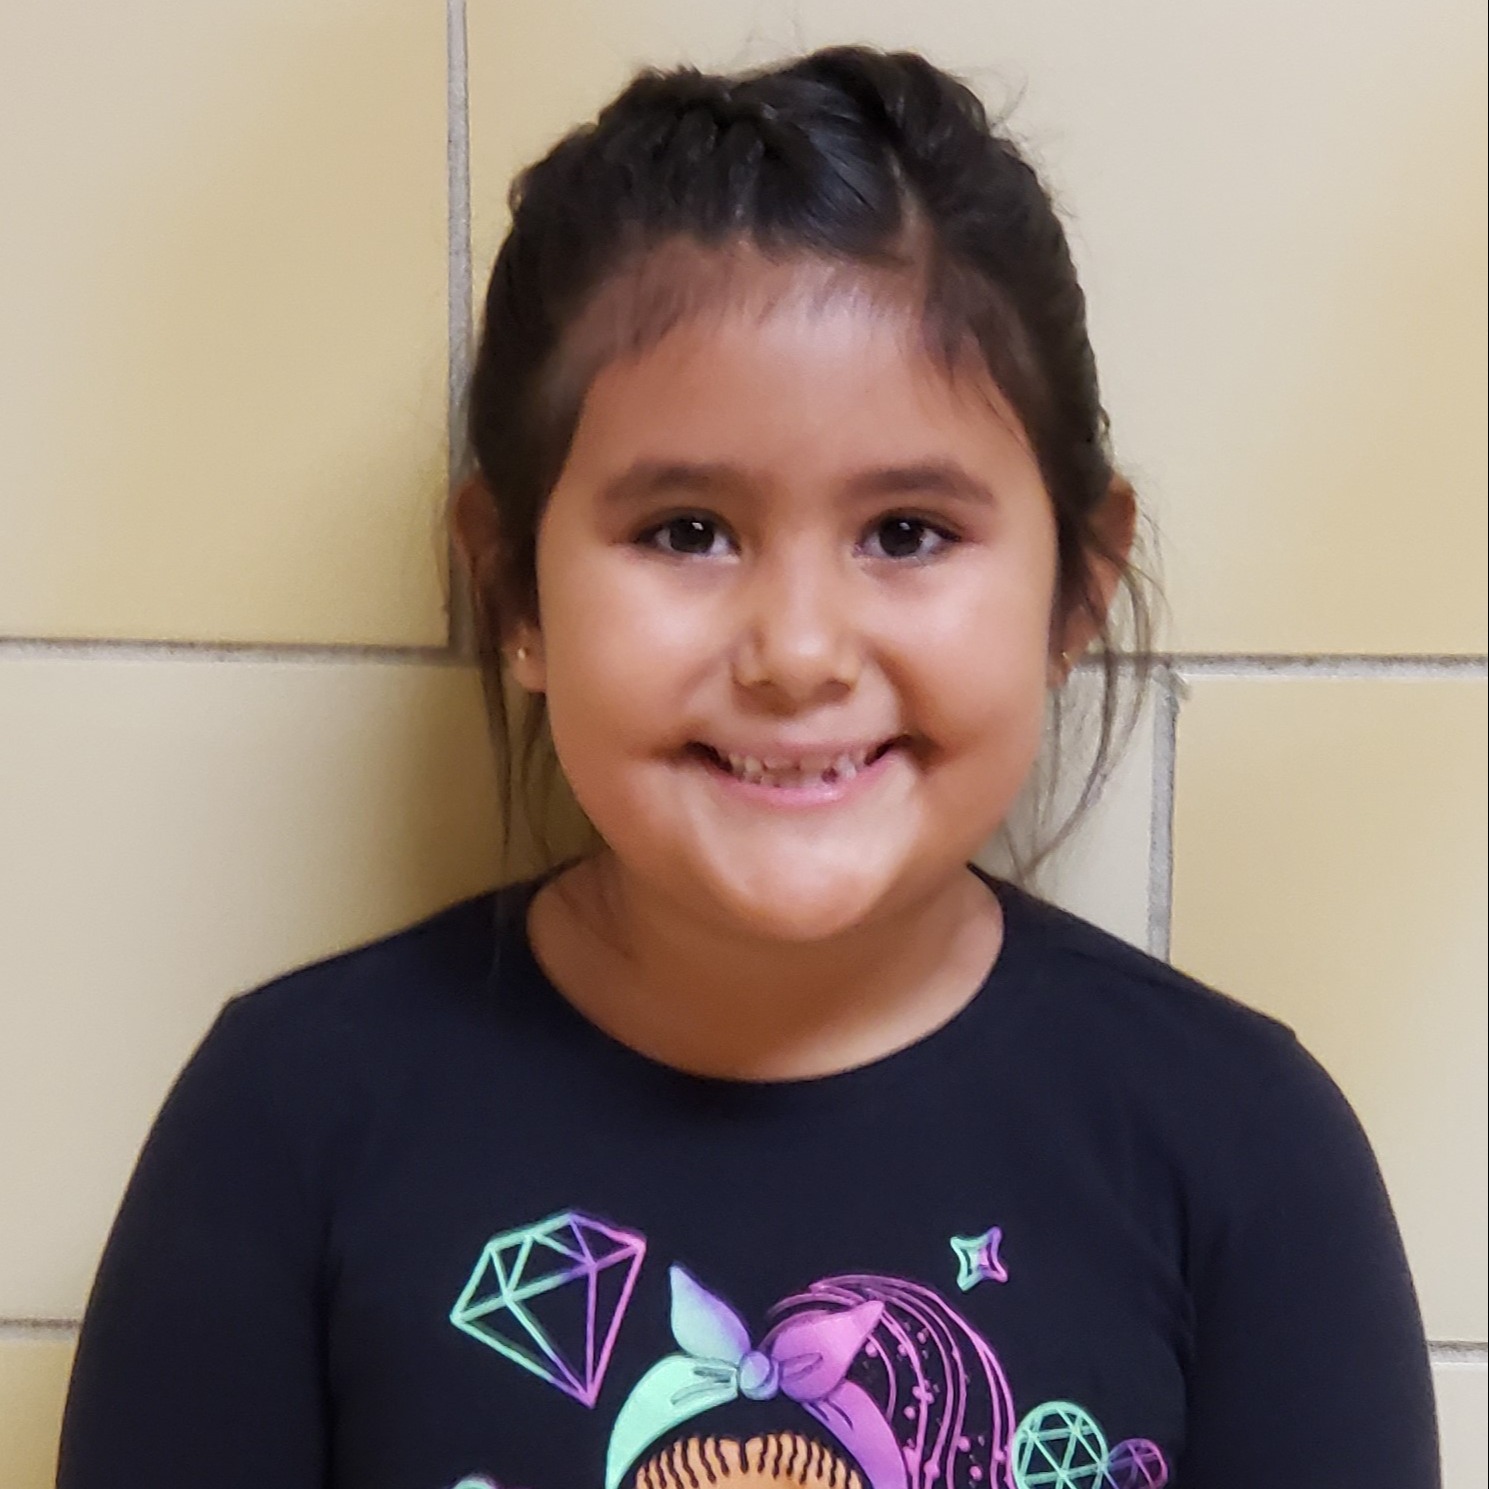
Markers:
{"x": 200, "y": 1359}
{"x": 1310, "y": 1363}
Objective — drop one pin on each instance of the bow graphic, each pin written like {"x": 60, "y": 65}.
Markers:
{"x": 805, "y": 1359}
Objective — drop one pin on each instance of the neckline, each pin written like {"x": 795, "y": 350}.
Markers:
{"x": 933, "y": 1050}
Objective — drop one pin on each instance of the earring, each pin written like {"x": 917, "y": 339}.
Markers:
{"x": 522, "y": 654}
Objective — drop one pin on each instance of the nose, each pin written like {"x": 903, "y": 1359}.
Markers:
{"x": 800, "y": 639}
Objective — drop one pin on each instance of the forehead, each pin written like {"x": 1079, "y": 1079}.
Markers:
{"x": 682, "y": 313}
{"x": 809, "y": 412}
{"x": 679, "y": 280}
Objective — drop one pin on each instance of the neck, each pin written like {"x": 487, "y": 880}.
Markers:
{"x": 715, "y": 1001}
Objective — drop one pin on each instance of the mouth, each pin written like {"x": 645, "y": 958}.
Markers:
{"x": 796, "y": 771}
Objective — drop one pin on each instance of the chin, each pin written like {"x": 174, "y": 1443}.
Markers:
{"x": 796, "y": 908}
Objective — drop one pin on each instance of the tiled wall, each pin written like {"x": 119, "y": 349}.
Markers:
{"x": 235, "y": 284}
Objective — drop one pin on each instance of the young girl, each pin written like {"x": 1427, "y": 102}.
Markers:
{"x": 768, "y": 1143}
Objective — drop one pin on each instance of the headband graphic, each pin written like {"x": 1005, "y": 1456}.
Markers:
{"x": 806, "y": 1359}
{"x": 912, "y": 1414}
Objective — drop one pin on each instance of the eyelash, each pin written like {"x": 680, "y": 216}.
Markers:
{"x": 945, "y": 538}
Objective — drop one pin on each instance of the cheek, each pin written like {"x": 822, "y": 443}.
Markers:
{"x": 981, "y": 657}
{"x": 616, "y": 656}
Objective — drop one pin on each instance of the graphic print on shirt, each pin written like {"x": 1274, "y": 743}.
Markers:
{"x": 912, "y": 1394}
{"x": 898, "y": 1380}
{"x": 978, "y": 1260}
{"x": 907, "y": 1394}
{"x": 551, "y": 1297}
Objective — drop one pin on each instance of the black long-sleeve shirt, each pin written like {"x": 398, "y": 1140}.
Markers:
{"x": 408, "y": 1221}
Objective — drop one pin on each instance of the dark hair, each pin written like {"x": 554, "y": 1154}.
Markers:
{"x": 852, "y": 156}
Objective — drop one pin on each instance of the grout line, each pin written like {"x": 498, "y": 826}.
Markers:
{"x": 1204, "y": 664}
{"x": 14, "y": 1330}
{"x": 104, "y": 650}
{"x": 461, "y": 311}
{"x": 1182, "y": 665}
{"x": 1161, "y": 818}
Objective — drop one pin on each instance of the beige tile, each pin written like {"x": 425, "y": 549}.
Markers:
{"x": 1101, "y": 871}
{"x": 187, "y": 829}
{"x": 222, "y": 320}
{"x": 1286, "y": 277}
{"x": 1463, "y": 1420}
{"x": 1330, "y": 868}
{"x": 33, "y": 1384}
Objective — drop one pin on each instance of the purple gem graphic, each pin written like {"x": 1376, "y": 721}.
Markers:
{"x": 1137, "y": 1464}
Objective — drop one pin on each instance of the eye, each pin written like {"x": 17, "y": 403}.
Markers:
{"x": 688, "y": 536}
{"x": 907, "y": 539}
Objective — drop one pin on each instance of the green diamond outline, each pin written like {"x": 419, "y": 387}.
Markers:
{"x": 490, "y": 1290}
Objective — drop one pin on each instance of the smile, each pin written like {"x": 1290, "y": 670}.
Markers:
{"x": 782, "y": 771}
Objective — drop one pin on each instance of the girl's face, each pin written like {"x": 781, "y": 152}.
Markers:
{"x": 795, "y": 597}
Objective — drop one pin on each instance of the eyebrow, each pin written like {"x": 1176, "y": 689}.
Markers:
{"x": 646, "y": 480}
{"x": 931, "y": 478}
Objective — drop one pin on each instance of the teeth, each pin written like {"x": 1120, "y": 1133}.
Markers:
{"x": 809, "y": 770}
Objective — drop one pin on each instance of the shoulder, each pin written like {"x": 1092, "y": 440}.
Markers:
{"x": 1187, "y": 1050}
{"x": 1189, "y": 1084}
{"x": 360, "y": 1018}
{"x": 1090, "y": 972}
{"x": 309, "y": 1065}
{"x": 436, "y": 961}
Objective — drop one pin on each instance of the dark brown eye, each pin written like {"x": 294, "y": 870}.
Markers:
{"x": 906, "y": 538}
{"x": 688, "y": 537}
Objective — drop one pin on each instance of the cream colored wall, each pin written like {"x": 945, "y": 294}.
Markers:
{"x": 231, "y": 737}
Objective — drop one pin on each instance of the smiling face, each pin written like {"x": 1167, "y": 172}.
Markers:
{"x": 795, "y": 596}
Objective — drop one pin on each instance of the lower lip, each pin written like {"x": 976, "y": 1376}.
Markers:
{"x": 815, "y": 794}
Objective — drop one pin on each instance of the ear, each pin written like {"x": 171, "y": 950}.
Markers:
{"x": 476, "y": 527}
{"x": 525, "y": 659}
{"x": 1115, "y": 524}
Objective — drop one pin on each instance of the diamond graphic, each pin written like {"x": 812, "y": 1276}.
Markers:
{"x": 1059, "y": 1446}
{"x": 1137, "y": 1464}
{"x": 551, "y": 1297}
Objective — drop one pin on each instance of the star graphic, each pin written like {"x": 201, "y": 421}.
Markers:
{"x": 978, "y": 1260}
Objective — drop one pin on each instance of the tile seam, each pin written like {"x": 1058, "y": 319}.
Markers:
{"x": 1345, "y": 668}
{"x": 91, "y": 650}
{"x": 1161, "y": 816}
{"x": 1182, "y": 664}
{"x": 461, "y": 310}
{"x": 13, "y": 1330}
